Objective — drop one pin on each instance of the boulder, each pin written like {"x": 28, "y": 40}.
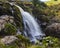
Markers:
{"x": 53, "y": 30}
{"x": 8, "y": 40}
{"x": 56, "y": 19}
{"x": 5, "y": 19}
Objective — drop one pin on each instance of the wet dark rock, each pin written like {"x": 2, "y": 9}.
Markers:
{"x": 43, "y": 25}
{"x": 53, "y": 30}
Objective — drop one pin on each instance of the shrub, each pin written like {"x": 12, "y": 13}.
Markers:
{"x": 10, "y": 29}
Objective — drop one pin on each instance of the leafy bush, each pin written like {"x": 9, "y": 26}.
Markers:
{"x": 48, "y": 42}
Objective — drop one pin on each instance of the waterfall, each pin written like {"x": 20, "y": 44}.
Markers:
{"x": 31, "y": 27}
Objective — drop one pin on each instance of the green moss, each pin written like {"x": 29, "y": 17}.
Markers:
{"x": 10, "y": 29}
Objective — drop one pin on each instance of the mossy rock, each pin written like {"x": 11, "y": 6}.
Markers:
{"x": 53, "y": 30}
{"x": 7, "y": 9}
{"x": 10, "y": 29}
{"x": 24, "y": 41}
{"x": 25, "y": 7}
{"x": 18, "y": 18}
{"x": 9, "y": 46}
{"x": 22, "y": 38}
{"x": 56, "y": 19}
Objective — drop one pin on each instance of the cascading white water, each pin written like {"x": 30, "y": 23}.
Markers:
{"x": 31, "y": 27}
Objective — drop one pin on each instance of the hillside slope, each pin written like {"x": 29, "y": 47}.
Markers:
{"x": 52, "y": 2}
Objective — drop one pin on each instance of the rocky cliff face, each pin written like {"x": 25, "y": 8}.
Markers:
{"x": 10, "y": 24}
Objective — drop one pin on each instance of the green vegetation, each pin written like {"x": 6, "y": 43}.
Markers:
{"x": 44, "y": 13}
{"x": 47, "y": 42}
{"x": 10, "y": 29}
{"x": 53, "y": 2}
{"x": 10, "y": 46}
{"x": 18, "y": 18}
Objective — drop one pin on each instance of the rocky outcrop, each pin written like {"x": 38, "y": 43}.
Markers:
{"x": 8, "y": 40}
{"x": 53, "y": 30}
{"x": 13, "y": 12}
{"x": 5, "y": 19}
